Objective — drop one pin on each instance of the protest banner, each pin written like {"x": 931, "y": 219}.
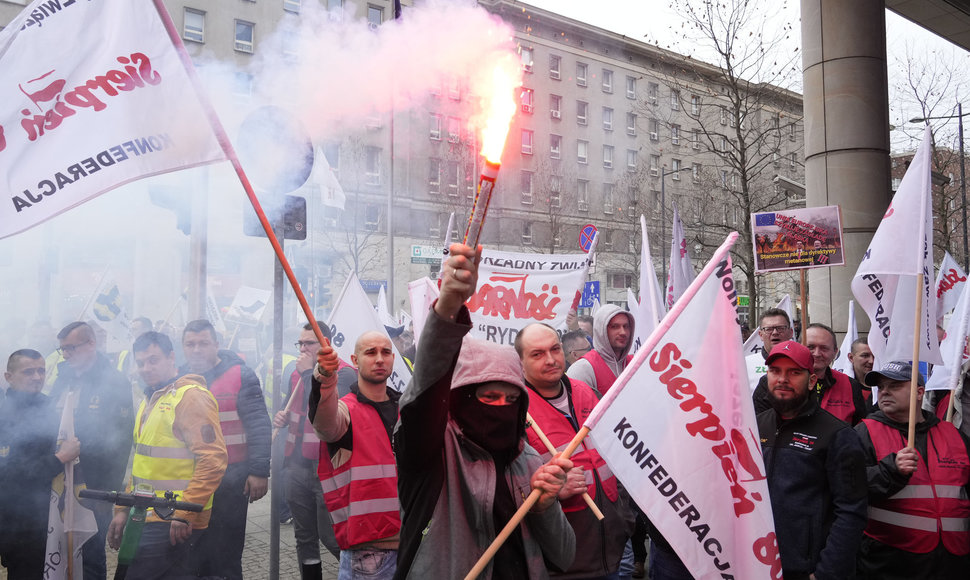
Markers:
{"x": 650, "y": 307}
{"x": 797, "y": 238}
{"x": 681, "y": 272}
{"x": 950, "y": 281}
{"x": 516, "y": 289}
{"x": 248, "y": 306}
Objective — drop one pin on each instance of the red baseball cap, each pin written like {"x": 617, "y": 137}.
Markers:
{"x": 797, "y": 352}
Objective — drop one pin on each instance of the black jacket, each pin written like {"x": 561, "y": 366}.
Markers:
{"x": 817, "y": 482}
{"x": 104, "y": 421}
{"x": 762, "y": 400}
{"x": 28, "y": 440}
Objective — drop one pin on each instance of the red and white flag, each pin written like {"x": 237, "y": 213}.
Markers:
{"x": 649, "y": 310}
{"x": 93, "y": 95}
{"x": 681, "y": 272}
{"x": 678, "y": 429}
{"x": 842, "y": 362}
{"x": 950, "y": 281}
{"x": 901, "y": 249}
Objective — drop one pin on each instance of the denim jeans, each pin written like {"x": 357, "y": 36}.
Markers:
{"x": 367, "y": 564}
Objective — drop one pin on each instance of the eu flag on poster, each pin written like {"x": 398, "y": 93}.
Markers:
{"x": 764, "y": 219}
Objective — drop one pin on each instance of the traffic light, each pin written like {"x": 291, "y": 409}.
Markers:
{"x": 176, "y": 201}
{"x": 293, "y": 213}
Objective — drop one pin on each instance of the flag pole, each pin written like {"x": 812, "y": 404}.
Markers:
{"x": 230, "y": 152}
{"x": 804, "y": 301}
{"x": 530, "y": 422}
{"x": 953, "y": 395}
{"x": 911, "y": 435}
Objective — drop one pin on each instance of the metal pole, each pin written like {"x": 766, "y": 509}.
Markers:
{"x": 663, "y": 230}
{"x": 276, "y": 459}
{"x": 963, "y": 189}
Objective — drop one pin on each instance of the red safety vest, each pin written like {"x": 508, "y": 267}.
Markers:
{"x": 943, "y": 406}
{"x": 297, "y": 421}
{"x": 602, "y": 371}
{"x": 560, "y": 432}
{"x": 226, "y": 390}
{"x": 837, "y": 399}
{"x": 933, "y": 506}
{"x": 361, "y": 494}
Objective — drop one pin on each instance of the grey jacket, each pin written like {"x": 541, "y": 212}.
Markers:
{"x": 446, "y": 483}
{"x": 582, "y": 370}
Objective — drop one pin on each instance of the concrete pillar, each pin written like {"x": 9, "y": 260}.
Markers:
{"x": 846, "y": 136}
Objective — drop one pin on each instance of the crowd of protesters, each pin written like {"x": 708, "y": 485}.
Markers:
{"x": 418, "y": 484}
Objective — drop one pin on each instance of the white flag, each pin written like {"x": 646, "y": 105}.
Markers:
{"x": 447, "y": 250}
{"x": 681, "y": 272}
{"x": 842, "y": 363}
{"x": 754, "y": 344}
{"x": 650, "y": 308}
{"x": 212, "y": 312}
{"x": 422, "y": 293}
{"x": 107, "y": 310}
{"x": 66, "y": 515}
{"x": 954, "y": 347}
{"x": 678, "y": 429}
{"x": 352, "y": 316}
{"x": 92, "y": 95}
{"x": 382, "y": 312}
{"x": 323, "y": 177}
{"x": 901, "y": 249}
{"x": 950, "y": 281}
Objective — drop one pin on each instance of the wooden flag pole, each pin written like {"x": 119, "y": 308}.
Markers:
{"x": 530, "y": 422}
{"x": 911, "y": 435}
{"x": 804, "y": 301}
{"x": 953, "y": 395}
{"x": 520, "y": 513}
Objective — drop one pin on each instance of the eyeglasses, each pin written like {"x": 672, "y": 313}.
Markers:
{"x": 301, "y": 343}
{"x": 774, "y": 329}
{"x": 581, "y": 351}
{"x": 70, "y": 348}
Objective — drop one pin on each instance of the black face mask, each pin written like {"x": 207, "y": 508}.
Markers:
{"x": 496, "y": 428}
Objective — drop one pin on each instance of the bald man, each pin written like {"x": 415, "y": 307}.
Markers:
{"x": 357, "y": 465}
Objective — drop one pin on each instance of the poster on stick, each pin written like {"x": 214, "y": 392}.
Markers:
{"x": 797, "y": 238}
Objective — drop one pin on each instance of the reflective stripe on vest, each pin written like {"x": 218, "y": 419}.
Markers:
{"x": 361, "y": 494}
{"x": 225, "y": 388}
{"x": 933, "y": 507}
{"x": 161, "y": 459}
{"x": 560, "y": 433}
{"x": 605, "y": 377}
{"x": 838, "y": 400}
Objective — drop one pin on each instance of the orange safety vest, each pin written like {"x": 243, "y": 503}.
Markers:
{"x": 933, "y": 506}
{"x": 361, "y": 494}
{"x": 602, "y": 371}
{"x": 226, "y": 391}
{"x": 838, "y": 398}
{"x": 560, "y": 432}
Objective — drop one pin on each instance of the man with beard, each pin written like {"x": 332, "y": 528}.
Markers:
{"x": 464, "y": 464}
{"x": 612, "y": 338}
{"x": 816, "y": 473}
{"x": 356, "y": 466}
{"x": 919, "y": 515}
{"x": 559, "y": 406}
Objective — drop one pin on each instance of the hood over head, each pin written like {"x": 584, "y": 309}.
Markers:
{"x": 601, "y": 343}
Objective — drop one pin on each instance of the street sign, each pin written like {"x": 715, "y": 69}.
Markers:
{"x": 743, "y": 300}
{"x": 591, "y": 294}
{"x": 426, "y": 254}
{"x": 372, "y": 285}
{"x": 586, "y": 237}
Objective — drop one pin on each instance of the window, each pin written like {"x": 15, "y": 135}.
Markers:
{"x": 653, "y": 89}
{"x": 724, "y": 116}
{"x": 454, "y": 129}
{"x": 695, "y": 171}
{"x": 193, "y": 25}
{"x": 607, "y": 199}
{"x": 674, "y": 100}
{"x": 451, "y": 178}
{"x": 675, "y": 168}
{"x": 582, "y": 109}
{"x": 608, "y": 156}
{"x": 526, "y": 187}
{"x": 434, "y": 229}
{"x": 333, "y": 5}
{"x": 607, "y": 119}
{"x": 244, "y": 36}
{"x": 470, "y": 177}
{"x": 527, "y": 141}
{"x": 375, "y": 16}
{"x": 525, "y": 53}
{"x": 527, "y": 234}
{"x": 607, "y": 81}
{"x": 724, "y": 178}
{"x": 723, "y": 144}
{"x": 620, "y": 280}
{"x": 631, "y": 87}
{"x": 527, "y": 100}
{"x": 607, "y": 239}
{"x": 695, "y": 139}
{"x": 372, "y": 166}
{"x": 631, "y": 124}
{"x": 555, "y": 106}
{"x": 582, "y": 195}
{"x": 372, "y": 217}
{"x": 631, "y": 159}
{"x": 242, "y": 85}
{"x": 434, "y": 176}
{"x": 654, "y": 165}
{"x": 793, "y": 160}
{"x": 291, "y": 6}
{"x": 776, "y": 122}
{"x": 555, "y": 146}
{"x": 435, "y": 128}
{"x": 733, "y": 118}
{"x": 582, "y": 151}
{"x": 675, "y": 134}
{"x": 454, "y": 88}
{"x": 555, "y": 65}
{"x": 791, "y": 132}
{"x": 734, "y": 181}
{"x": 581, "y": 69}
{"x": 555, "y": 191}
{"x": 695, "y": 105}
{"x": 776, "y": 158}
{"x": 654, "y": 127}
